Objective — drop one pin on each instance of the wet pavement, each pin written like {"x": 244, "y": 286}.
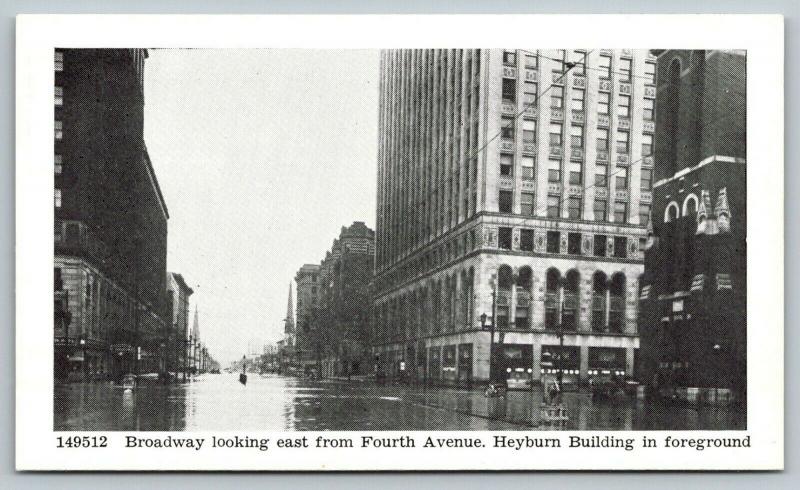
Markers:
{"x": 271, "y": 402}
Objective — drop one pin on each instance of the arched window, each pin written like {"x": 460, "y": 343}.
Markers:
{"x": 505, "y": 279}
{"x": 424, "y": 311}
{"x": 599, "y": 290}
{"x": 471, "y": 297}
{"x": 466, "y": 292}
{"x": 671, "y": 114}
{"x": 616, "y": 307}
{"x": 569, "y": 313}
{"x": 436, "y": 294}
{"x": 522, "y": 311}
{"x": 697, "y": 62}
{"x": 672, "y": 212}
{"x": 446, "y": 287}
{"x": 551, "y": 298}
{"x": 452, "y": 303}
{"x": 690, "y": 205}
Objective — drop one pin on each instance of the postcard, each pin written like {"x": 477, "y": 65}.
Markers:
{"x": 466, "y": 242}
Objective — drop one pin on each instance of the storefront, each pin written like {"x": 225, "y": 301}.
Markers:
{"x": 566, "y": 359}
{"x": 606, "y": 362}
{"x": 465, "y": 364}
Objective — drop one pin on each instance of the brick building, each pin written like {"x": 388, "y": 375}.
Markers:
{"x": 520, "y": 172}
{"x": 341, "y": 322}
{"x": 110, "y": 218}
{"x": 694, "y": 290}
{"x": 307, "y": 286}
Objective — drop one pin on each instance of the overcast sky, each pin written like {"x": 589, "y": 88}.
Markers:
{"x": 262, "y": 156}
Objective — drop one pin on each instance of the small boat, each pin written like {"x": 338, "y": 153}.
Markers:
{"x": 243, "y": 375}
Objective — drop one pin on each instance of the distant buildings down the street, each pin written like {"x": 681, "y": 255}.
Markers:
{"x": 694, "y": 290}
{"x": 333, "y": 326}
{"x": 178, "y": 328}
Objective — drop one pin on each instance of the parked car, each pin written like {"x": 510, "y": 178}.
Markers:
{"x": 518, "y": 380}
{"x": 613, "y": 387}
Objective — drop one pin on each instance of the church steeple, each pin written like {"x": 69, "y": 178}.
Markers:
{"x": 196, "y": 325}
{"x": 289, "y": 320}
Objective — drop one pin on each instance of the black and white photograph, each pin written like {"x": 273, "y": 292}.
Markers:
{"x": 544, "y": 240}
{"x": 538, "y": 238}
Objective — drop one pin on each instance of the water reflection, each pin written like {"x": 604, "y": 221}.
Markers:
{"x": 220, "y": 402}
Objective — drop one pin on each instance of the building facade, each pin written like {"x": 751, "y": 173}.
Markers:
{"x": 110, "y": 219}
{"x": 307, "y": 286}
{"x": 522, "y": 173}
{"x": 342, "y": 328}
{"x": 694, "y": 290}
{"x": 177, "y": 360}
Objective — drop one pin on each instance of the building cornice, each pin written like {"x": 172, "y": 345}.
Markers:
{"x": 703, "y": 163}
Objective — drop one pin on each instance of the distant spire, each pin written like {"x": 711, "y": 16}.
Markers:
{"x": 196, "y": 325}
{"x": 289, "y": 320}
{"x": 723, "y": 211}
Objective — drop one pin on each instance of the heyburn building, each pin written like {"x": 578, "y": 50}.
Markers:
{"x": 523, "y": 173}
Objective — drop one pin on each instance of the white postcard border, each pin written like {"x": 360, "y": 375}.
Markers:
{"x": 37, "y": 36}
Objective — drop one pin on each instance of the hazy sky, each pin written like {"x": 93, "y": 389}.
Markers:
{"x": 262, "y": 155}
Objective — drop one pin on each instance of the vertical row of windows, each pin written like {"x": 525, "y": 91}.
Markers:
{"x": 58, "y": 134}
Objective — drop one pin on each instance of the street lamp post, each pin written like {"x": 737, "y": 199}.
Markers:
{"x": 164, "y": 371}
{"x": 491, "y": 327}
{"x": 189, "y": 355}
{"x": 82, "y": 342}
{"x": 560, "y": 375}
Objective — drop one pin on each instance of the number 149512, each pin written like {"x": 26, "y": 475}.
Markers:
{"x": 81, "y": 441}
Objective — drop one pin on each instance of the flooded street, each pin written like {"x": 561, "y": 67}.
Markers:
{"x": 271, "y": 402}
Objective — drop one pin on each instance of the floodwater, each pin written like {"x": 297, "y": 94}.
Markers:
{"x": 271, "y": 402}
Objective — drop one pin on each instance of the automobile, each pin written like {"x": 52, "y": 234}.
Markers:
{"x": 518, "y": 379}
{"x": 613, "y": 387}
{"x": 128, "y": 381}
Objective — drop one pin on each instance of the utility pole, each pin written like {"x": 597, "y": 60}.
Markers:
{"x": 491, "y": 327}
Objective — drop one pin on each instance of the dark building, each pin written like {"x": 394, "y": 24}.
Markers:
{"x": 693, "y": 297}
{"x": 340, "y": 329}
{"x": 110, "y": 218}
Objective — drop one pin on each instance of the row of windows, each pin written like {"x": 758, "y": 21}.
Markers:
{"x": 449, "y": 303}
{"x": 556, "y": 131}
{"x": 578, "y": 57}
{"x": 575, "y": 173}
{"x": 577, "y": 101}
{"x": 574, "y": 207}
{"x": 553, "y": 243}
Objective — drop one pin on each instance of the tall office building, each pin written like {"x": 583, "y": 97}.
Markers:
{"x": 694, "y": 290}
{"x": 308, "y": 290}
{"x": 520, "y": 172}
{"x": 110, "y": 218}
